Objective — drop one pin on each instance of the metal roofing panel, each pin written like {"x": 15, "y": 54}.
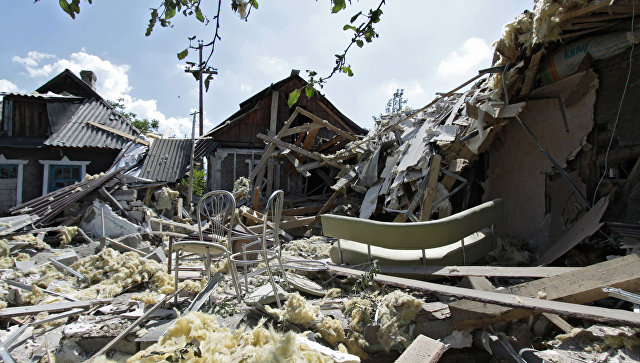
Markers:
{"x": 46, "y": 96}
{"x": 78, "y": 133}
{"x": 167, "y": 160}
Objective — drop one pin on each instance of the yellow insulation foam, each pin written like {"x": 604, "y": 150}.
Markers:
{"x": 198, "y": 337}
{"x": 396, "y": 310}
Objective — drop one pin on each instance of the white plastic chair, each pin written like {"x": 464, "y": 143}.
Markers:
{"x": 270, "y": 230}
{"x": 217, "y": 210}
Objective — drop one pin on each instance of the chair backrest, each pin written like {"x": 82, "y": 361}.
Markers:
{"x": 272, "y": 216}
{"x": 217, "y": 209}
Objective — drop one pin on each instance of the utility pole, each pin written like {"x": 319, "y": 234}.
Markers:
{"x": 199, "y": 73}
{"x": 193, "y": 148}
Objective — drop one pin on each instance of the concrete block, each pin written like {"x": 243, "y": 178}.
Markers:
{"x": 157, "y": 255}
{"x": 128, "y": 195}
{"x": 423, "y": 349}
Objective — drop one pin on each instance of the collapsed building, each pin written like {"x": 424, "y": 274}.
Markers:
{"x": 496, "y": 222}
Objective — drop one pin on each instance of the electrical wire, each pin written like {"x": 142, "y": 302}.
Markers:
{"x": 615, "y": 125}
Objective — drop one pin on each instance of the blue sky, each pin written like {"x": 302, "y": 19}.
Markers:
{"x": 424, "y": 47}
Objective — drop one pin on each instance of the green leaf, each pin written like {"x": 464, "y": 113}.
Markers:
{"x": 152, "y": 21}
{"x": 338, "y": 5}
{"x": 293, "y": 97}
{"x": 359, "y": 43}
{"x": 207, "y": 81}
{"x": 169, "y": 12}
{"x": 254, "y": 3}
{"x": 349, "y": 27}
{"x": 353, "y": 18}
{"x": 65, "y": 6}
{"x": 309, "y": 91}
{"x": 199, "y": 14}
{"x": 182, "y": 55}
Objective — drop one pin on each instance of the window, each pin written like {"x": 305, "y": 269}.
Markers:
{"x": 61, "y": 176}
{"x": 61, "y": 173}
{"x": 8, "y": 171}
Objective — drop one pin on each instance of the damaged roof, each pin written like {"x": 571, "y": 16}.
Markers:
{"x": 167, "y": 160}
{"x": 77, "y": 132}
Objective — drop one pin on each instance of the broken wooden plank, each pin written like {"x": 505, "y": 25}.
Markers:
{"x": 302, "y": 128}
{"x": 580, "y": 286}
{"x": 611, "y": 316}
{"x": 587, "y": 225}
{"x": 531, "y": 73}
{"x": 423, "y": 349}
{"x": 328, "y": 125}
{"x": 120, "y": 133}
{"x": 300, "y": 222}
{"x": 298, "y": 150}
{"x": 482, "y": 283}
{"x": 336, "y": 139}
{"x": 175, "y": 224}
{"x": 335, "y": 117}
{"x": 50, "y": 308}
{"x": 269, "y": 150}
{"x": 487, "y": 271}
{"x": 302, "y": 210}
{"x": 430, "y": 192}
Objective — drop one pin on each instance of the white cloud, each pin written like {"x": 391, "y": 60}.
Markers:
{"x": 466, "y": 58}
{"x": 245, "y": 88}
{"x": 273, "y": 67}
{"x": 8, "y": 86}
{"x": 112, "y": 84}
{"x": 32, "y": 59}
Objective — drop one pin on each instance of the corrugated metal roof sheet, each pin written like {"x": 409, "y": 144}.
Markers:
{"x": 167, "y": 160}
{"x": 78, "y": 133}
{"x": 46, "y": 96}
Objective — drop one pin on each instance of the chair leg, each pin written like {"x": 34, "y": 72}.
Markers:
{"x": 175, "y": 268}
{"x": 284, "y": 273}
{"x": 244, "y": 265}
{"x": 234, "y": 277}
{"x": 273, "y": 283}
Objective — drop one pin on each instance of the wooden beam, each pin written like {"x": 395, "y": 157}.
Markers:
{"x": 336, "y": 139}
{"x": 297, "y": 150}
{"x": 301, "y": 128}
{"x": 335, "y": 117}
{"x": 610, "y": 316}
{"x": 430, "y": 192}
{"x": 50, "y": 308}
{"x": 118, "y": 132}
{"x": 270, "y": 148}
{"x": 482, "y": 283}
{"x": 302, "y": 210}
{"x": 327, "y": 124}
{"x": 580, "y": 286}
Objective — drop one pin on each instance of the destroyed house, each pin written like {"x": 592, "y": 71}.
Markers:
{"x": 234, "y": 148}
{"x": 55, "y": 136}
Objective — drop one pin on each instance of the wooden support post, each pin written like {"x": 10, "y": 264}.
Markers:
{"x": 430, "y": 192}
